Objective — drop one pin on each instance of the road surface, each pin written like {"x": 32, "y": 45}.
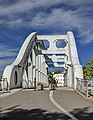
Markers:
{"x": 61, "y": 104}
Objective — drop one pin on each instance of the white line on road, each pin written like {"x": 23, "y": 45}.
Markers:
{"x": 60, "y": 107}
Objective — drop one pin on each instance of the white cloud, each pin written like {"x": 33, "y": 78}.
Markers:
{"x": 4, "y": 63}
{"x": 55, "y": 20}
{"x": 58, "y": 19}
{"x": 7, "y": 56}
{"x": 5, "y": 51}
{"x": 25, "y": 5}
{"x": 62, "y": 20}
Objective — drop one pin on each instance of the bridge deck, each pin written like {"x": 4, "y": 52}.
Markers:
{"x": 36, "y": 105}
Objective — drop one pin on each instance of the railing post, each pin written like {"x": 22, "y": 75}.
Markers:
{"x": 5, "y": 85}
{"x": 87, "y": 89}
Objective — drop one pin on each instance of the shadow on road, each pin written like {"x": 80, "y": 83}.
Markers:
{"x": 15, "y": 113}
{"x": 82, "y": 114}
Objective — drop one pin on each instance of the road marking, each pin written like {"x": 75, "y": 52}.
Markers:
{"x": 60, "y": 107}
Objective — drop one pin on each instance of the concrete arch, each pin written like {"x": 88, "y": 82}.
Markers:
{"x": 31, "y": 62}
{"x": 18, "y": 64}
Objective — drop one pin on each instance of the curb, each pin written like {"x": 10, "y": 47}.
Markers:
{"x": 81, "y": 94}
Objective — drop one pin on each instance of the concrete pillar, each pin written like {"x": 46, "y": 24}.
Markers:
{"x": 30, "y": 73}
{"x": 68, "y": 78}
{"x": 74, "y": 56}
{"x": 36, "y": 76}
{"x": 25, "y": 79}
{"x": 39, "y": 67}
{"x": 73, "y": 49}
{"x": 34, "y": 66}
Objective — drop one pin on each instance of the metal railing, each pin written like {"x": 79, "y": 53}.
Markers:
{"x": 84, "y": 86}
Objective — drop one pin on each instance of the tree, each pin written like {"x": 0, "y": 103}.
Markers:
{"x": 57, "y": 71}
{"x": 50, "y": 74}
{"x": 88, "y": 70}
{"x": 0, "y": 78}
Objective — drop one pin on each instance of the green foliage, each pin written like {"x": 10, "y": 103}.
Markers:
{"x": 57, "y": 71}
{"x": 0, "y": 78}
{"x": 50, "y": 74}
{"x": 88, "y": 70}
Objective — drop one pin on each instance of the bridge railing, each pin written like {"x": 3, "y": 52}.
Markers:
{"x": 85, "y": 86}
{"x": 4, "y": 86}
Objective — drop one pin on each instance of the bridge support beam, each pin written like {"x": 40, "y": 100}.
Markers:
{"x": 74, "y": 60}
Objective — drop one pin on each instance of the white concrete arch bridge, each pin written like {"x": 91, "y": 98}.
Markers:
{"x": 31, "y": 64}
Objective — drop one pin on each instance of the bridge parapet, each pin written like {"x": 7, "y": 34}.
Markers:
{"x": 85, "y": 86}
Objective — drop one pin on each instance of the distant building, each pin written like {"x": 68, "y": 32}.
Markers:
{"x": 59, "y": 79}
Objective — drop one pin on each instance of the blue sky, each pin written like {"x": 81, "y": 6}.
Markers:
{"x": 18, "y": 18}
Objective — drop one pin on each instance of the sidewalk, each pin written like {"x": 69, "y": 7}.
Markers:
{"x": 7, "y": 93}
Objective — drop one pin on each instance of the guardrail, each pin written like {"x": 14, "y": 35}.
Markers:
{"x": 85, "y": 86}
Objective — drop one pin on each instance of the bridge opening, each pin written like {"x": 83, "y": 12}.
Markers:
{"x": 60, "y": 43}
{"x": 15, "y": 77}
{"x": 46, "y": 44}
{"x": 59, "y": 75}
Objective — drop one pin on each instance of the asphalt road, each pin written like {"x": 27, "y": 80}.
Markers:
{"x": 36, "y": 105}
{"x": 75, "y": 104}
